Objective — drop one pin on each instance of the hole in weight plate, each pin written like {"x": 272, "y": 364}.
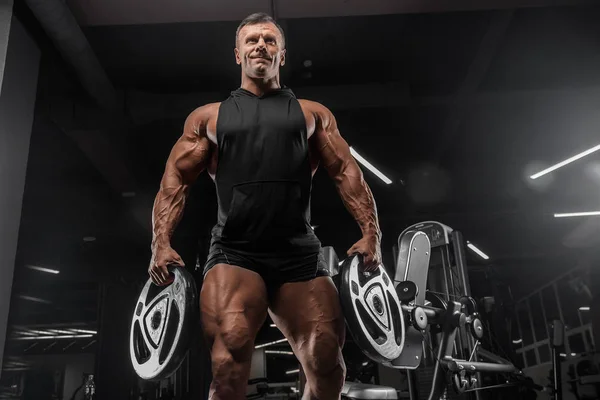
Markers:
{"x": 377, "y": 305}
{"x": 156, "y": 318}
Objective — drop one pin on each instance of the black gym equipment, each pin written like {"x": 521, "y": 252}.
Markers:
{"x": 161, "y": 325}
{"x": 440, "y": 348}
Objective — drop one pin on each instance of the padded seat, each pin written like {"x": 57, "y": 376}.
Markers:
{"x": 363, "y": 391}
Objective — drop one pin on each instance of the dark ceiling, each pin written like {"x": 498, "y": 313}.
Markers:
{"x": 457, "y": 108}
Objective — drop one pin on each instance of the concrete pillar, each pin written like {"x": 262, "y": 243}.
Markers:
{"x": 19, "y": 64}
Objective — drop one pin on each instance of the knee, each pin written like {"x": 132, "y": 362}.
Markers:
{"x": 230, "y": 360}
{"x": 324, "y": 357}
{"x": 232, "y": 348}
{"x": 223, "y": 365}
{"x": 236, "y": 339}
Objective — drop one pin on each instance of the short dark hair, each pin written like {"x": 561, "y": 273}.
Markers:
{"x": 258, "y": 18}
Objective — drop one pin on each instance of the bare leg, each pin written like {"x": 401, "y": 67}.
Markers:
{"x": 233, "y": 304}
{"x": 310, "y": 316}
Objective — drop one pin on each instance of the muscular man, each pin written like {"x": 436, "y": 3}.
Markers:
{"x": 262, "y": 147}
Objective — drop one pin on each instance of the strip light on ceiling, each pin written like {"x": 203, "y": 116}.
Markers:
{"x": 84, "y": 331}
{"x": 567, "y": 161}
{"x": 369, "y": 166}
{"x": 34, "y": 299}
{"x": 53, "y": 337}
{"x": 285, "y": 353}
{"x": 577, "y": 214}
{"x": 42, "y": 269}
{"x": 477, "y": 251}
{"x": 260, "y": 346}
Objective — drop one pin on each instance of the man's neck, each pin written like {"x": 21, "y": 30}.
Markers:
{"x": 260, "y": 86}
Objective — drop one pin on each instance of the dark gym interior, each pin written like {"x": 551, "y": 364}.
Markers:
{"x": 458, "y": 103}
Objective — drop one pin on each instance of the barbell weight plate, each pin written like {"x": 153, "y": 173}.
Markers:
{"x": 162, "y": 320}
{"x": 372, "y": 310}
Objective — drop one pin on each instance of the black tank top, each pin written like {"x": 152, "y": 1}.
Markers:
{"x": 263, "y": 176}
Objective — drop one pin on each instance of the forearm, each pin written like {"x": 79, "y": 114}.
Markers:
{"x": 358, "y": 199}
{"x": 168, "y": 208}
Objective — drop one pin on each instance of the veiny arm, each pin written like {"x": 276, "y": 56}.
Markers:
{"x": 335, "y": 157}
{"x": 188, "y": 158}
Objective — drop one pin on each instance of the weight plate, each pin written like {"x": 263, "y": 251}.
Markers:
{"x": 372, "y": 310}
{"x": 162, "y": 320}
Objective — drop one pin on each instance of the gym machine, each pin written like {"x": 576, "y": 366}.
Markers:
{"x": 440, "y": 347}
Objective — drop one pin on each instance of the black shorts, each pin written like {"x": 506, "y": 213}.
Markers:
{"x": 275, "y": 268}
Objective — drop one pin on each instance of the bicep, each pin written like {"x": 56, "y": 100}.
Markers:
{"x": 191, "y": 153}
{"x": 332, "y": 149}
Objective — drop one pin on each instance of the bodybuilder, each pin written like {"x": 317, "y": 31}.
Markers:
{"x": 262, "y": 146}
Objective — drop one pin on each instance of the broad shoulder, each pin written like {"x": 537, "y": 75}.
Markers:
{"x": 203, "y": 114}
{"x": 313, "y": 106}
{"x": 318, "y": 111}
{"x": 202, "y": 119}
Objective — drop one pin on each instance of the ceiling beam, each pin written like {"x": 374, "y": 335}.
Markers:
{"x": 134, "y": 12}
{"x": 343, "y": 8}
{"x": 148, "y": 107}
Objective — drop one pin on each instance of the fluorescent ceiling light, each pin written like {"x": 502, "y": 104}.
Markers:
{"x": 38, "y": 332}
{"x": 567, "y": 161}
{"x": 293, "y": 371}
{"x": 42, "y": 269}
{"x": 577, "y": 214}
{"x": 518, "y": 341}
{"x": 84, "y": 331}
{"x": 61, "y": 332}
{"x": 369, "y": 166}
{"x": 35, "y": 299}
{"x": 53, "y": 337}
{"x": 477, "y": 251}
{"x": 270, "y": 343}
{"x": 287, "y": 353}
{"x": 584, "y": 309}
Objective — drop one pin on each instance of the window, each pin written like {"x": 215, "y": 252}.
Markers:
{"x": 531, "y": 358}
{"x": 544, "y": 352}
{"x": 569, "y": 304}
{"x": 525, "y": 323}
{"x": 537, "y": 314}
{"x": 576, "y": 343}
{"x": 589, "y": 339}
{"x": 550, "y": 304}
